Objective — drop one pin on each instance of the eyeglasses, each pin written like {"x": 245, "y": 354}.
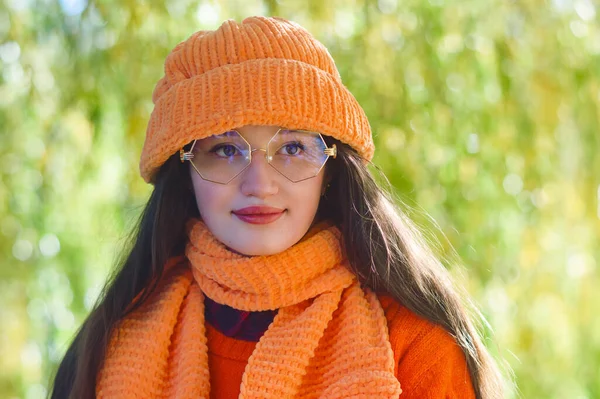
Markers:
{"x": 296, "y": 154}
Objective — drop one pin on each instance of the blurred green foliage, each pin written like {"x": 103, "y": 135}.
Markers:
{"x": 485, "y": 114}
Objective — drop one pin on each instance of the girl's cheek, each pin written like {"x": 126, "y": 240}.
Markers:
{"x": 218, "y": 198}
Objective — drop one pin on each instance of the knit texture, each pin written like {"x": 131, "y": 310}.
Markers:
{"x": 429, "y": 362}
{"x": 263, "y": 71}
{"x": 329, "y": 338}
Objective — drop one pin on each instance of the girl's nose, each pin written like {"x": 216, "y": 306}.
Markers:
{"x": 258, "y": 180}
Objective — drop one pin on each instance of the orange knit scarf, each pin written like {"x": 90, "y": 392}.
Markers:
{"x": 329, "y": 338}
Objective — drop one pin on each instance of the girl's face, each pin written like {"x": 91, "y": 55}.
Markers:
{"x": 260, "y": 211}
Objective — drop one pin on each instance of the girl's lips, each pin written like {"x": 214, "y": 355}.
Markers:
{"x": 259, "y": 214}
{"x": 258, "y": 210}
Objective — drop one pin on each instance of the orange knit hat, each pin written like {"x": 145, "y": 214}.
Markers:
{"x": 264, "y": 71}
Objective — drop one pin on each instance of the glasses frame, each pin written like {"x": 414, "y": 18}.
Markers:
{"x": 189, "y": 156}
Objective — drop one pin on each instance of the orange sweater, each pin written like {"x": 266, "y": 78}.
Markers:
{"x": 429, "y": 363}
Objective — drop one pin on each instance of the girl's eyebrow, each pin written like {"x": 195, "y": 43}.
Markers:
{"x": 231, "y": 132}
{"x": 226, "y": 134}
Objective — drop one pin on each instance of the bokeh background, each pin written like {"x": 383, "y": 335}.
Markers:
{"x": 485, "y": 115}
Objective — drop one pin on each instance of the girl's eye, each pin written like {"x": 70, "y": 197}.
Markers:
{"x": 225, "y": 150}
{"x": 292, "y": 148}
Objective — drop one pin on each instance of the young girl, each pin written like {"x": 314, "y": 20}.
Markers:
{"x": 268, "y": 263}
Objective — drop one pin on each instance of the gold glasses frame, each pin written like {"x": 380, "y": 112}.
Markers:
{"x": 329, "y": 151}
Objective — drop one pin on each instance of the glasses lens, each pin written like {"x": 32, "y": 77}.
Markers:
{"x": 222, "y": 157}
{"x": 297, "y": 154}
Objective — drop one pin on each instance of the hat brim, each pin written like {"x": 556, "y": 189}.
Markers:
{"x": 269, "y": 91}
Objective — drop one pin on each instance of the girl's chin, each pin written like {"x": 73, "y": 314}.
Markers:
{"x": 253, "y": 253}
{"x": 256, "y": 247}
{"x": 256, "y": 239}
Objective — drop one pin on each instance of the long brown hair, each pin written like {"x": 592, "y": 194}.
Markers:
{"x": 394, "y": 259}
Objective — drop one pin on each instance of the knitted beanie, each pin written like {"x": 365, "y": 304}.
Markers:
{"x": 264, "y": 71}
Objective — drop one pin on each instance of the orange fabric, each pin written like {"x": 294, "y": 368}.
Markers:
{"x": 329, "y": 338}
{"x": 263, "y": 71}
{"x": 428, "y": 361}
